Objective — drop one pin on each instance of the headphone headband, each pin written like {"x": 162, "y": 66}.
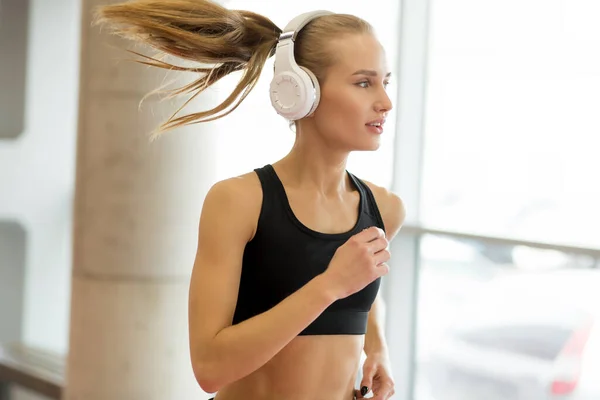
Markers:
{"x": 295, "y": 25}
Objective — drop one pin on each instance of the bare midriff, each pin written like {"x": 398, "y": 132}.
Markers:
{"x": 308, "y": 368}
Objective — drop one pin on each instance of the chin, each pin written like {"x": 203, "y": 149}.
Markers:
{"x": 374, "y": 147}
{"x": 358, "y": 141}
{"x": 373, "y": 144}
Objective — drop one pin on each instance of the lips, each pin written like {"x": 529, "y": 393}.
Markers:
{"x": 375, "y": 129}
{"x": 376, "y": 126}
{"x": 377, "y": 122}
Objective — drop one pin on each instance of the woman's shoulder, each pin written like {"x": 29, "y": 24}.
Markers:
{"x": 237, "y": 199}
{"x": 245, "y": 181}
{"x": 239, "y": 190}
{"x": 391, "y": 207}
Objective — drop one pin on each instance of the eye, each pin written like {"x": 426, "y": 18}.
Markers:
{"x": 366, "y": 84}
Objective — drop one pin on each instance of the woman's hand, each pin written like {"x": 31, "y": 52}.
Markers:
{"x": 377, "y": 377}
{"x": 358, "y": 262}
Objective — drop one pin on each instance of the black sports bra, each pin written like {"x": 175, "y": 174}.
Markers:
{"x": 284, "y": 255}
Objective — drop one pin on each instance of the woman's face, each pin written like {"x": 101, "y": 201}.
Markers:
{"x": 353, "y": 95}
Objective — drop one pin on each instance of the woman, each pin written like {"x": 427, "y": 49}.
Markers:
{"x": 283, "y": 295}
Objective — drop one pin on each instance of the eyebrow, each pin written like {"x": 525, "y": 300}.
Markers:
{"x": 369, "y": 73}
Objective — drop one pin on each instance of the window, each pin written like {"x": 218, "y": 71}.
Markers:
{"x": 502, "y": 248}
{"x": 539, "y": 341}
{"x": 13, "y": 242}
{"x": 492, "y": 323}
{"x": 511, "y": 120}
{"x": 13, "y": 62}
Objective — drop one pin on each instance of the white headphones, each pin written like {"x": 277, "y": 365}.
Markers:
{"x": 294, "y": 90}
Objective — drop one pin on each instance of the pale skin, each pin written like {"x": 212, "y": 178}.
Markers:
{"x": 263, "y": 358}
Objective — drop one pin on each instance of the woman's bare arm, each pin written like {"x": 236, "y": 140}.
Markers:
{"x": 222, "y": 353}
{"x": 393, "y": 213}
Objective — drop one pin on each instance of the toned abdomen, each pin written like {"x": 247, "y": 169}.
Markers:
{"x": 309, "y": 367}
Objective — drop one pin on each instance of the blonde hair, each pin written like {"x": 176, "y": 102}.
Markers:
{"x": 222, "y": 41}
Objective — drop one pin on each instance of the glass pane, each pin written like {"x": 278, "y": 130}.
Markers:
{"x": 505, "y": 322}
{"x": 13, "y": 249}
{"x": 511, "y": 123}
{"x": 13, "y": 60}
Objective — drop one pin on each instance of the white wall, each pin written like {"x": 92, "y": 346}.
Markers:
{"x": 37, "y": 169}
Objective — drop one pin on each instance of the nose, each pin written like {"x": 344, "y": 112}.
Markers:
{"x": 384, "y": 103}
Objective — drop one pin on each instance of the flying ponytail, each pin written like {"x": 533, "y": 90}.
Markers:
{"x": 220, "y": 40}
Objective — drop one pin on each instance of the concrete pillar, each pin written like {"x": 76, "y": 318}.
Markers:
{"x": 137, "y": 206}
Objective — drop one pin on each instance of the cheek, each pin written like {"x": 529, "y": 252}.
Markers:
{"x": 342, "y": 109}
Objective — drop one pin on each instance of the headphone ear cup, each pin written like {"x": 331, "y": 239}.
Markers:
{"x": 316, "y": 90}
{"x": 293, "y": 93}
